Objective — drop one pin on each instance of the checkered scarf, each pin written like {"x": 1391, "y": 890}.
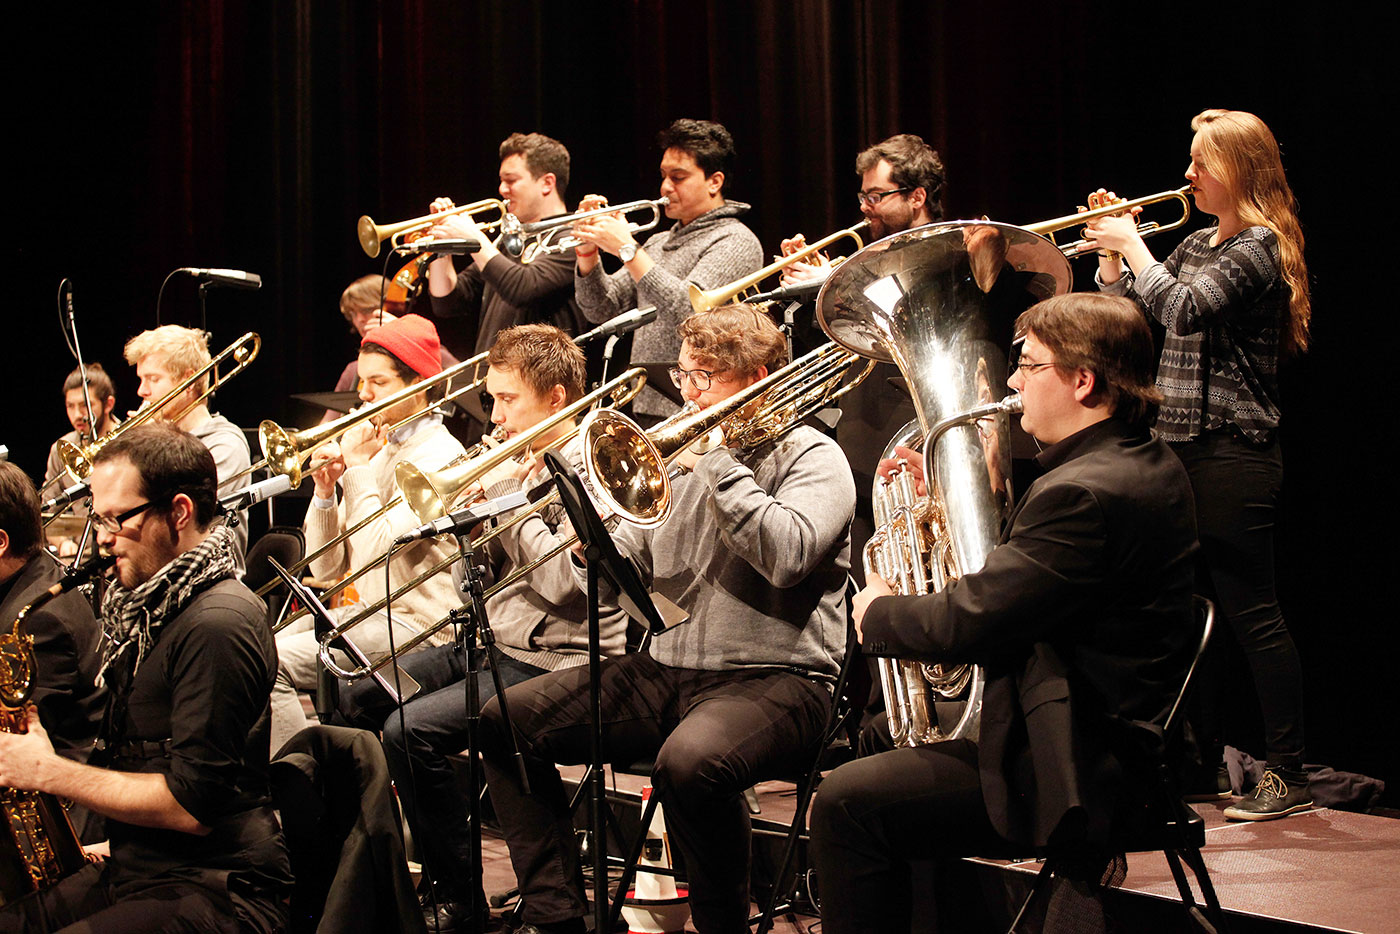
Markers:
{"x": 132, "y": 619}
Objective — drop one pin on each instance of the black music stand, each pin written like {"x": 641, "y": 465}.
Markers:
{"x": 603, "y": 559}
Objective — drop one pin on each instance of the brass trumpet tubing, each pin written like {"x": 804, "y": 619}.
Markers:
{"x": 372, "y": 235}
{"x": 78, "y": 460}
{"x": 516, "y": 234}
{"x": 1084, "y": 246}
{"x": 707, "y": 300}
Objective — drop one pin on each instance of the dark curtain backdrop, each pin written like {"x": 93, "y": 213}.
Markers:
{"x": 153, "y": 136}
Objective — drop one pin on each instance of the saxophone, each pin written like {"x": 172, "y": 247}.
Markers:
{"x": 940, "y": 302}
{"x": 38, "y": 846}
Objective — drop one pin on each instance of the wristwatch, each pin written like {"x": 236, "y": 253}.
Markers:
{"x": 627, "y": 252}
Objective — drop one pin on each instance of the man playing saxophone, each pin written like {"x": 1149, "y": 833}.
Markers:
{"x": 391, "y": 357}
{"x": 188, "y": 660}
{"x": 1081, "y": 617}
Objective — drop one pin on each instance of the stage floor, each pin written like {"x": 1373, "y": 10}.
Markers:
{"x": 1324, "y": 869}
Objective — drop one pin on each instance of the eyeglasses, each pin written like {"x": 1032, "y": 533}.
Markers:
{"x": 873, "y": 198}
{"x": 1032, "y": 367}
{"x": 700, "y": 379}
{"x": 113, "y": 524}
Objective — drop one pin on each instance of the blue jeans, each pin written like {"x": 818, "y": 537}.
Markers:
{"x": 418, "y": 747}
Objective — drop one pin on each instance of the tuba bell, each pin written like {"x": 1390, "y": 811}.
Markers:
{"x": 940, "y": 302}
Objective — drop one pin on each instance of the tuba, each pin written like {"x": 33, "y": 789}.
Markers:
{"x": 38, "y": 846}
{"x": 940, "y": 302}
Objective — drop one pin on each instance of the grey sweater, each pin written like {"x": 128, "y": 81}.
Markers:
{"x": 757, "y": 549}
{"x": 542, "y": 620}
{"x": 711, "y": 250}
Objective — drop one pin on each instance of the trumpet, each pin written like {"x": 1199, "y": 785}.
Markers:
{"x": 531, "y": 241}
{"x": 701, "y": 300}
{"x": 78, "y": 460}
{"x": 1084, "y": 245}
{"x": 417, "y": 488}
{"x": 372, "y": 235}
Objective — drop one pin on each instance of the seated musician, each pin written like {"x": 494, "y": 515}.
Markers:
{"x": 392, "y": 357}
{"x": 64, "y": 631}
{"x": 708, "y": 246}
{"x": 534, "y": 370}
{"x": 360, "y": 304}
{"x": 102, "y": 399}
{"x": 195, "y": 845}
{"x": 164, "y": 358}
{"x": 1081, "y": 617}
{"x": 756, "y": 550}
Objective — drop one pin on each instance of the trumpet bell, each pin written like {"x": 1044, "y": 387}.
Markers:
{"x": 626, "y": 472}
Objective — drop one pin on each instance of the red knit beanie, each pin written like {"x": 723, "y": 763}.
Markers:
{"x": 413, "y": 339}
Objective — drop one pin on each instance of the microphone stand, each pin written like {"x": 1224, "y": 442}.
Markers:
{"x": 602, "y": 558}
{"x": 474, "y": 637}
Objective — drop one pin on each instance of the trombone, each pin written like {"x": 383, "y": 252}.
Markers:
{"x": 701, "y": 300}
{"x": 78, "y": 459}
{"x": 1084, "y": 245}
{"x": 621, "y": 389}
{"x": 628, "y": 471}
{"x": 531, "y": 241}
{"x": 372, "y": 234}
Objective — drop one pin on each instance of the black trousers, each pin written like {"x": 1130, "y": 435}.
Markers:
{"x": 1236, "y": 485}
{"x": 88, "y": 903}
{"x": 712, "y": 733}
{"x": 873, "y": 816}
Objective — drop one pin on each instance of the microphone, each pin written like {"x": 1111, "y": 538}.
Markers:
{"x": 232, "y": 277}
{"x": 621, "y": 324}
{"x": 795, "y": 291}
{"x": 77, "y": 576}
{"x": 464, "y": 519}
{"x": 455, "y": 247}
{"x": 67, "y": 496}
{"x": 254, "y": 494}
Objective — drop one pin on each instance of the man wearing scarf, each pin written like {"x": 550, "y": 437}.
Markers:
{"x": 189, "y": 662}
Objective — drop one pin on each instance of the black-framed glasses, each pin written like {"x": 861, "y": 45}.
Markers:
{"x": 700, "y": 379}
{"x": 114, "y": 524}
{"x": 1029, "y": 367}
{"x": 873, "y": 198}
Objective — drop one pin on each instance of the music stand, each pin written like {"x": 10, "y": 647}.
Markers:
{"x": 603, "y": 560}
{"x": 325, "y": 623}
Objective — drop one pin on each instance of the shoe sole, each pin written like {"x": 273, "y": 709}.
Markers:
{"x": 1203, "y": 797}
{"x": 1236, "y": 814}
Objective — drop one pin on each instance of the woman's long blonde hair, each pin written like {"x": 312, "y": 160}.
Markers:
{"x": 1241, "y": 151}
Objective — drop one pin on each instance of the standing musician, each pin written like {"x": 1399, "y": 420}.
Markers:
{"x": 103, "y": 399}
{"x": 64, "y": 630}
{"x": 164, "y": 358}
{"x": 1081, "y": 616}
{"x": 195, "y": 845}
{"x": 708, "y": 246}
{"x": 901, "y": 188}
{"x": 756, "y": 549}
{"x": 534, "y": 371}
{"x": 1233, "y": 299}
{"x": 496, "y": 290}
{"x": 392, "y": 357}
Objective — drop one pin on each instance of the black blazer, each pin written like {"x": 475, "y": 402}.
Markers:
{"x": 66, "y": 638}
{"x": 1082, "y": 619}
